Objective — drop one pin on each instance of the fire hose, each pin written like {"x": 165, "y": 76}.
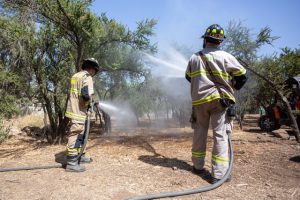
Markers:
{"x": 85, "y": 139}
{"x": 144, "y": 197}
{"x": 195, "y": 190}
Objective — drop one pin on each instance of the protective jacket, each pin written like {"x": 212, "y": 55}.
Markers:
{"x": 224, "y": 68}
{"x": 80, "y": 94}
{"x": 206, "y": 70}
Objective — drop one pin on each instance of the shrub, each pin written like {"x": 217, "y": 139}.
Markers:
{"x": 4, "y": 130}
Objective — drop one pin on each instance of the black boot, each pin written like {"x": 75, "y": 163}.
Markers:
{"x": 73, "y": 165}
{"x": 215, "y": 180}
{"x": 198, "y": 171}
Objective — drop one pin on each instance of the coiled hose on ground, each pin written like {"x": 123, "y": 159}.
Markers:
{"x": 195, "y": 190}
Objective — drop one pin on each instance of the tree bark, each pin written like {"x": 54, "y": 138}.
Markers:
{"x": 79, "y": 56}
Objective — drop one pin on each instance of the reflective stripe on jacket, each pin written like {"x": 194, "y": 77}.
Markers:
{"x": 223, "y": 66}
{"x": 77, "y": 107}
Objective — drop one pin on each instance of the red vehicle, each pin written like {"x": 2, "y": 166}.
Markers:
{"x": 276, "y": 115}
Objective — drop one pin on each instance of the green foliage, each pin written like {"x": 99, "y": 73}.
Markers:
{"x": 144, "y": 96}
{"x": 241, "y": 43}
{"x": 9, "y": 90}
{"x": 264, "y": 37}
{"x": 278, "y": 70}
{"x": 4, "y": 130}
{"x": 41, "y": 42}
{"x": 8, "y": 105}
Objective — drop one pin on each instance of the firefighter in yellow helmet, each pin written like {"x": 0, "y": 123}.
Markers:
{"x": 213, "y": 74}
{"x": 80, "y": 97}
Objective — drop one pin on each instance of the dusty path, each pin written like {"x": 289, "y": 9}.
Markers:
{"x": 142, "y": 161}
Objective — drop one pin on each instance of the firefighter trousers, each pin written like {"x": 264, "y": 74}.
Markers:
{"x": 215, "y": 113}
{"x": 75, "y": 138}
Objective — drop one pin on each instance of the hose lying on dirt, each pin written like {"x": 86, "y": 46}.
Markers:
{"x": 31, "y": 168}
{"x": 85, "y": 139}
{"x": 195, "y": 190}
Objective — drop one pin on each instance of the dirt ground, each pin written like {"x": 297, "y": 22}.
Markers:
{"x": 143, "y": 161}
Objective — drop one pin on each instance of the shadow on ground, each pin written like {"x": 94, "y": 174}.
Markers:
{"x": 174, "y": 163}
{"x": 295, "y": 159}
{"x": 61, "y": 158}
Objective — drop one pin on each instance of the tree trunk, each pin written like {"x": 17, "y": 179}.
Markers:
{"x": 43, "y": 92}
{"x": 51, "y": 116}
{"x": 79, "y": 56}
{"x": 149, "y": 118}
{"x": 137, "y": 119}
{"x": 63, "y": 122}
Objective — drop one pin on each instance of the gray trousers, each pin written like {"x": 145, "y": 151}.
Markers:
{"x": 211, "y": 112}
{"x": 75, "y": 138}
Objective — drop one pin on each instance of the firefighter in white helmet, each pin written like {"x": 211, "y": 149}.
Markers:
{"x": 213, "y": 74}
{"x": 80, "y": 97}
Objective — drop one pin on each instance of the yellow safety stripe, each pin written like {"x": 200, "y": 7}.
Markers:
{"x": 73, "y": 151}
{"x": 70, "y": 149}
{"x": 239, "y": 73}
{"x": 221, "y": 74}
{"x": 219, "y": 159}
{"x": 206, "y": 99}
{"x": 198, "y": 154}
{"x": 76, "y": 91}
{"x": 205, "y": 72}
{"x": 211, "y": 98}
{"x": 196, "y": 73}
{"x": 73, "y": 81}
{"x": 229, "y": 97}
{"x": 215, "y": 72}
{"x": 75, "y": 116}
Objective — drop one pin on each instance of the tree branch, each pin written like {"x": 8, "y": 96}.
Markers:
{"x": 283, "y": 98}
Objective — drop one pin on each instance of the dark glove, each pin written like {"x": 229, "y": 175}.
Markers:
{"x": 90, "y": 108}
{"x": 231, "y": 112}
{"x": 85, "y": 93}
{"x": 239, "y": 81}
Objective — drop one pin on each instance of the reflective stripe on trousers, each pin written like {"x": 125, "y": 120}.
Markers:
{"x": 75, "y": 139}
{"x": 75, "y": 116}
{"x": 211, "y": 112}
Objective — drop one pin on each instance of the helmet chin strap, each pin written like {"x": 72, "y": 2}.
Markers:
{"x": 204, "y": 43}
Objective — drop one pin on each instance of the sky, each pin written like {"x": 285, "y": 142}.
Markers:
{"x": 184, "y": 21}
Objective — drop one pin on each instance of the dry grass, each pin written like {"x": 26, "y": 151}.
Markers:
{"x": 28, "y": 120}
{"x": 141, "y": 161}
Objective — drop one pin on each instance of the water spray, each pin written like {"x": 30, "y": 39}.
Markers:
{"x": 160, "y": 61}
{"x": 172, "y": 66}
{"x": 108, "y": 107}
